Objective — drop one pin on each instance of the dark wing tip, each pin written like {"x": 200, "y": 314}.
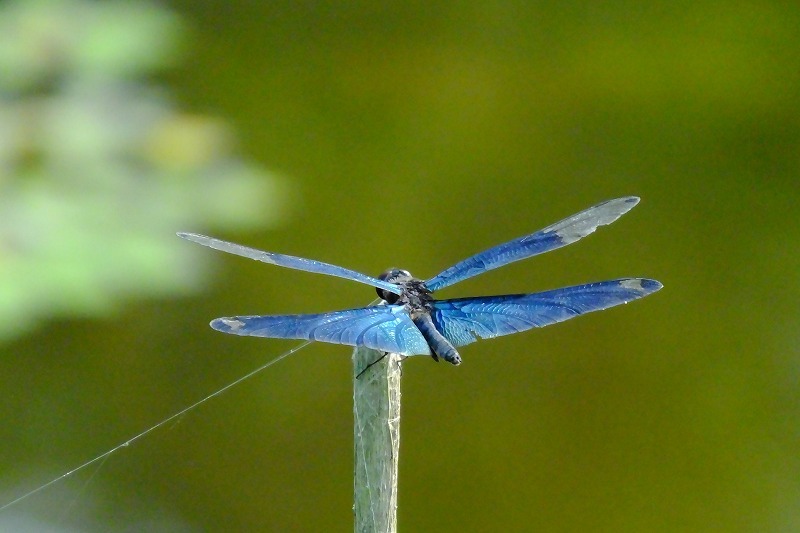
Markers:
{"x": 643, "y": 285}
{"x": 628, "y": 201}
{"x": 651, "y": 285}
{"x": 228, "y": 325}
{"x": 624, "y": 203}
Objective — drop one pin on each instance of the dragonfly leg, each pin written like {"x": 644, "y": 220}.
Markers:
{"x": 372, "y": 363}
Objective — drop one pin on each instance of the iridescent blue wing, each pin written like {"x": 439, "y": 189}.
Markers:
{"x": 297, "y": 263}
{"x": 382, "y": 327}
{"x": 555, "y": 236}
{"x": 465, "y": 320}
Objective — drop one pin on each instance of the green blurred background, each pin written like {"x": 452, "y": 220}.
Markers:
{"x": 372, "y": 135}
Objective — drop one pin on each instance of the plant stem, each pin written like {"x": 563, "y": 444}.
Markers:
{"x": 376, "y": 408}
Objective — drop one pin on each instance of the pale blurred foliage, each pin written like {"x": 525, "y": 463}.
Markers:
{"x": 99, "y": 169}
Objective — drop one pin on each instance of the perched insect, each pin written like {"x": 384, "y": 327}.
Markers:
{"x": 410, "y": 322}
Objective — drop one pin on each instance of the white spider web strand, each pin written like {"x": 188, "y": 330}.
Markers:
{"x": 149, "y": 430}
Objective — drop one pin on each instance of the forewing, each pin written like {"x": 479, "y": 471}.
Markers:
{"x": 465, "y": 320}
{"x": 554, "y": 236}
{"x": 297, "y": 263}
{"x": 383, "y": 327}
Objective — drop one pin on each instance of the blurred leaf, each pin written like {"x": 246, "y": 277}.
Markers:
{"x": 99, "y": 169}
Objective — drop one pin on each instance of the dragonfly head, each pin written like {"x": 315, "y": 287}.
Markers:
{"x": 396, "y": 276}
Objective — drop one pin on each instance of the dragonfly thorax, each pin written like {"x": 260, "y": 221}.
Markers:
{"x": 415, "y": 294}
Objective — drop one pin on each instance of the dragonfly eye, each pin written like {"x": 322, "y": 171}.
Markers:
{"x": 389, "y": 297}
{"x": 393, "y": 275}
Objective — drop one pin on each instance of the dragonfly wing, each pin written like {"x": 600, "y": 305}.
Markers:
{"x": 554, "y": 236}
{"x": 297, "y": 263}
{"x": 383, "y": 327}
{"x": 465, "y": 320}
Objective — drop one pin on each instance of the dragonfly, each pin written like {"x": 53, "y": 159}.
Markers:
{"x": 409, "y": 321}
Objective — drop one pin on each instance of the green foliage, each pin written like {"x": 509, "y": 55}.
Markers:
{"x": 98, "y": 168}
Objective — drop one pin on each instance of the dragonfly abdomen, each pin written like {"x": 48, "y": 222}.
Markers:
{"x": 438, "y": 344}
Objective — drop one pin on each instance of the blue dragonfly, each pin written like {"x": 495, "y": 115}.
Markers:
{"x": 408, "y": 321}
